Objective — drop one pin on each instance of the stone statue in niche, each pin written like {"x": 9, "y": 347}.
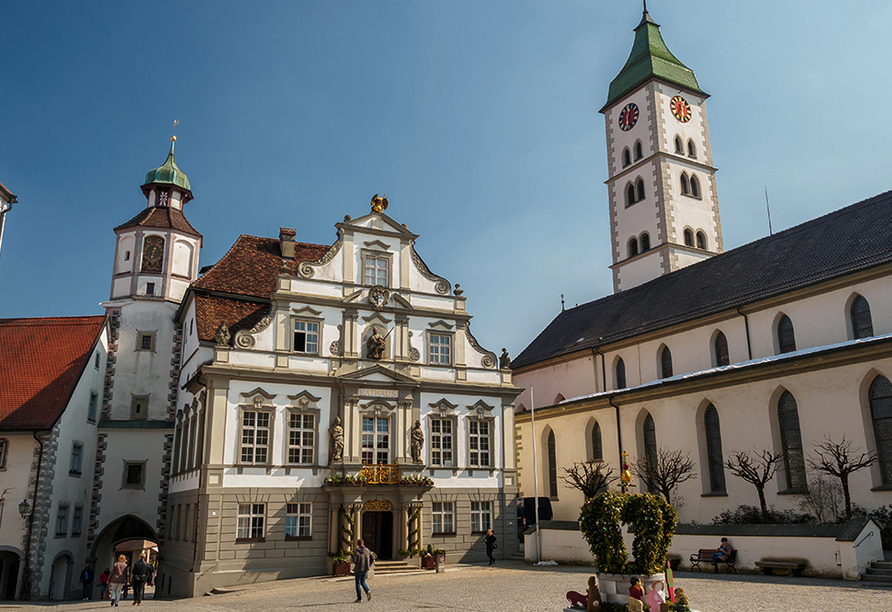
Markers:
{"x": 336, "y": 434}
{"x": 222, "y": 336}
{"x": 504, "y": 360}
{"x": 377, "y": 344}
{"x": 417, "y": 442}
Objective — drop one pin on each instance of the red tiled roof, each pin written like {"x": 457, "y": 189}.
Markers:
{"x": 252, "y": 264}
{"x": 210, "y": 311}
{"x": 163, "y": 217}
{"x": 7, "y": 193}
{"x": 41, "y": 362}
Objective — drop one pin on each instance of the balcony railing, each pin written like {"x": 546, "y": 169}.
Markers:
{"x": 380, "y": 474}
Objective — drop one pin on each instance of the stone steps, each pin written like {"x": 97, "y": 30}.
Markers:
{"x": 879, "y": 571}
{"x": 384, "y": 568}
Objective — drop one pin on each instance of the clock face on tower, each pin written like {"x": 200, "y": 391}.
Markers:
{"x": 153, "y": 254}
{"x": 681, "y": 109}
{"x": 628, "y": 117}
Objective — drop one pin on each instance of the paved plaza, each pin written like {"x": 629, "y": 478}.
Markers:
{"x": 513, "y": 586}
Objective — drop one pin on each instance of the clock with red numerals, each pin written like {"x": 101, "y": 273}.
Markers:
{"x": 628, "y": 117}
{"x": 681, "y": 109}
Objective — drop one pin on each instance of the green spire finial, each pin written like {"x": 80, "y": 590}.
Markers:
{"x": 168, "y": 172}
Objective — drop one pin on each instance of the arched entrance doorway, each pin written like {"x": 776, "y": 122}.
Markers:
{"x": 10, "y": 567}
{"x": 60, "y": 577}
{"x": 129, "y": 536}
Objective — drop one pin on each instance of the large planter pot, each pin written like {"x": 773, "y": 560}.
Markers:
{"x": 427, "y": 562}
{"x": 340, "y": 569}
{"x": 615, "y": 587}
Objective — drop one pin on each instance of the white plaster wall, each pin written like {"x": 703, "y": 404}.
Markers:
{"x": 693, "y": 129}
{"x": 640, "y": 270}
{"x": 642, "y": 216}
{"x": 623, "y": 139}
{"x": 182, "y": 257}
{"x": 120, "y": 287}
{"x": 126, "y": 245}
{"x": 460, "y": 436}
{"x": 331, "y": 271}
{"x": 178, "y": 288}
{"x": 686, "y": 258}
{"x": 569, "y": 379}
{"x": 329, "y": 288}
{"x": 15, "y": 480}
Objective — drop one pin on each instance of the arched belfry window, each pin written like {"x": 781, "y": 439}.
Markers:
{"x": 688, "y": 238}
{"x": 880, "y": 395}
{"x": 692, "y": 149}
{"x": 685, "y": 184}
{"x": 645, "y": 242}
{"x": 679, "y": 147}
{"x": 786, "y": 339}
{"x": 701, "y": 241}
{"x": 695, "y": 187}
{"x": 552, "y": 466}
{"x": 721, "y": 350}
{"x": 665, "y": 362}
{"x": 620, "y": 373}
{"x": 633, "y": 247}
{"x": 791, "y": 442}
{"x": 638, "y": 151}
{"x": 640, "y": 188}
{"x": 597, "y": 446}
{"x": 862, "y": 325}
{"x": 650, "y": 442}
{"x": 714, "y": 457}
{"x": 627, "y": 157}
{"x": 630, "y": 194}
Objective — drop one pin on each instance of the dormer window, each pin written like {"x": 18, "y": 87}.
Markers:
{"x": 376, "y": 269}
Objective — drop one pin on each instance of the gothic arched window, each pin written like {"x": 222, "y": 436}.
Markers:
{"x": 862, "y": 325}
{"x": 685, "y": 184}
{"x": 640, "y": 186}
{"x": 645, "y": 242}
{"x": 791, "y": 442}
{"x": 597, "y": 447}
{"x": 721, "y": 350}
{"x": 633, "y": 247}
{"x": 786, "y": 339}
{"x": 679, "y": 147}
{"x": 665, "y": 362}
{"x": 695, "y": 187}
{"x": 692, "y": 149}
{"x": 627, "y": 157}
{"x": 701, "y": 241}
{"x": 638, "y": 152}
{"x": 630, "y": 194}
{"x": 552, "y": 466}
{"x": 650, "y": 442}
{"x": 881, "y": 414}
{"x": 714, "y": 458}
{"x": 620, "y": 373}
{"x": 688, "y": 238}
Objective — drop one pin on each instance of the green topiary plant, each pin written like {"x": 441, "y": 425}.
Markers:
{"x": 653, "y": 518}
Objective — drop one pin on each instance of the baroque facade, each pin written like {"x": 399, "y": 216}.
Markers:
{"x": 332, "y": 392}
{"x": 776, "y": 345}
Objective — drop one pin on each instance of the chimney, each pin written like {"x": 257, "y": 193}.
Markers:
{"x": 286, "y": 241}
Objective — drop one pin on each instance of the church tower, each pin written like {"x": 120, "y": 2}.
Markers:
{"x": 664, "y": 210}
{"x": 156, "y": 258}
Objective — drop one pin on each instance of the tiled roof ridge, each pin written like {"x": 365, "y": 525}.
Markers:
{"x": 31, "y": 321}
{"x": 142, "y": 217}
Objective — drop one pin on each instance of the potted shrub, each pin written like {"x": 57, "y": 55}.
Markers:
{"x": 440, "y": 560}
{"x": 340, "y": 562}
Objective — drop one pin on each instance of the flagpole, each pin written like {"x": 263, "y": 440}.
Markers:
{"x": 535, "y": 478}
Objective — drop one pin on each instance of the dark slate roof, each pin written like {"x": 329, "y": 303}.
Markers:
{"x": 854, "y": 238}
{"x": 163, "y": 217}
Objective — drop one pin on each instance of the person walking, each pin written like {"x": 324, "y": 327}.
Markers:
{"x": 103, "y": 583}
{"x": 363, "y": 560}
{"x": 86, "y": 582}
{"x": 138, "y": 577}
{"x": 120, "y": 574}
{"x": 490, "y": 541}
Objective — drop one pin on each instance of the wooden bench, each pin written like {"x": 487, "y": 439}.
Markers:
{"x": 768, "y": 567}
{"x": 704, "y": 555}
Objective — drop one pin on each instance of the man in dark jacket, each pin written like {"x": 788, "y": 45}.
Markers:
{"x": 138, "y": 576}
{"x": 363, "y": 560}
{"x": 86, "y": 582}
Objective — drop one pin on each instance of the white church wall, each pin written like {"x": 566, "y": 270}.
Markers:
{"x": 126, "y": 254}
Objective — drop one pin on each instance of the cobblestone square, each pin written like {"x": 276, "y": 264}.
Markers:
{"x": 517, "y": 587}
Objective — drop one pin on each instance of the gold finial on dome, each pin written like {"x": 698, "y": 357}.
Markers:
{"x": 379, "y": 203}
{"x": 176, "y": 122}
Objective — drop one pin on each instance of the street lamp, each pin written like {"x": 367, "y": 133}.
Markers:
{"x": 24, "y": 507}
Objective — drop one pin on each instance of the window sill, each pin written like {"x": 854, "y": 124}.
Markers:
{"x": 305, "y": 354}
{"x": 289, "y": 538}
{"x": 715, "y": 494}
{"x": 442, "y": 534}
{"x": 793, "y": 492}
{"x": 249, "y": 540}
{"x": 887, "y": 487}
{"x": 61, "y": 535}
{"x": 77, "y": 535}
{"x": 74, "y": 473}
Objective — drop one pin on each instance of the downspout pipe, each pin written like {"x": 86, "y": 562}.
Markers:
{"x": 746, "y": 324}
{"x": 619, "y": 431}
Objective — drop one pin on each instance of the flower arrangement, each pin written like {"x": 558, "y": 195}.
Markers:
{"x": 342, "y": 556}
{"x": 416, "y": 481}
{"x": 654, "y": 519}
{"x": 345, "y": 480}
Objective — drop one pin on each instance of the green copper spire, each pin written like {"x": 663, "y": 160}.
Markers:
{"x": 168, "y": 173}
{"x": 650, "y": 59}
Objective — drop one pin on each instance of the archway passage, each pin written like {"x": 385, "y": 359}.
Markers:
{"x": 377, "y": 531}
{"x": 128, "y": 536}
{"x": 10, "y": 564}
{"x": 60, "y": 577}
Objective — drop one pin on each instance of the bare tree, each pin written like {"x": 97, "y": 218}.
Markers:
{"x": 757, "y": 471}
{"x": 591, "y": 477}
{"x": 839, "y": 459}
{"x": 664, "y": 472}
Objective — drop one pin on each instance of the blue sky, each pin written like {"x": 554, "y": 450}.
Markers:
{"x": 478, "y": 119}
